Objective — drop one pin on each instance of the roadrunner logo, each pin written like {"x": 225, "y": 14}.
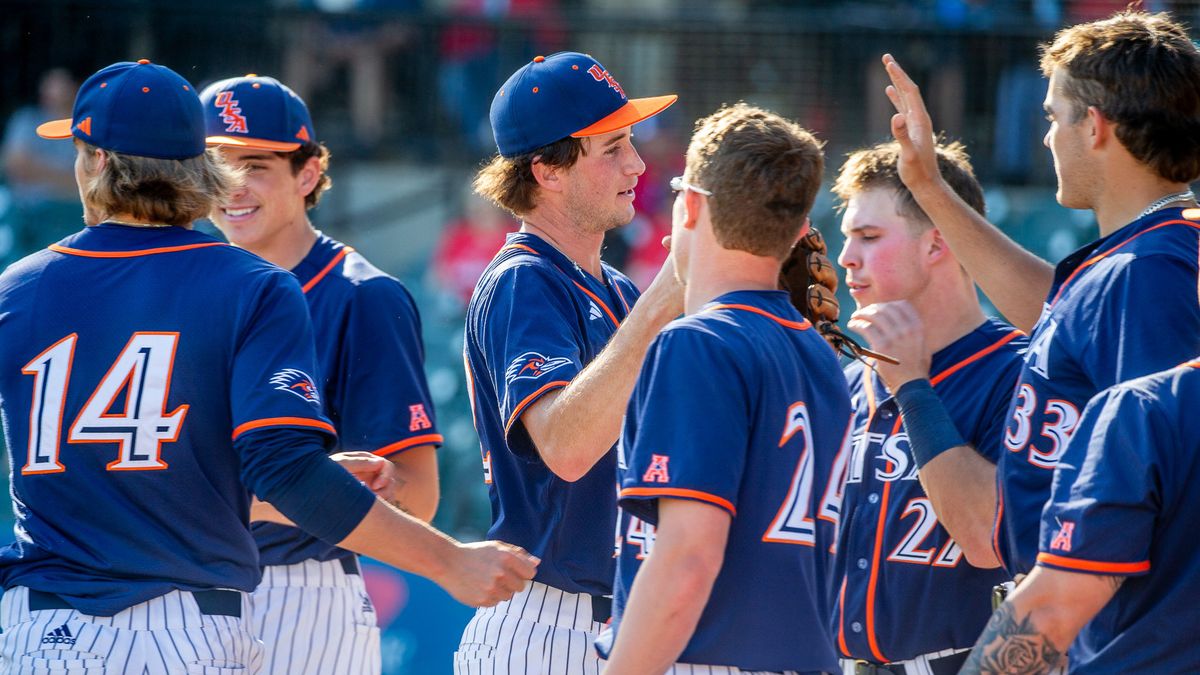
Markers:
{"x": 532, "y": 365}
{"x": 297, "y": 382}
{"x": 59, "y": 636}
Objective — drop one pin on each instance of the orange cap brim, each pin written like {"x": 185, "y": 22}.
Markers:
{"x": 253, "y": 143}
{"x": 634, "y": 111}
{"x": 55, "y": 129}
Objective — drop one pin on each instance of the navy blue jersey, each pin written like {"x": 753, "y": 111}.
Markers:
{"x": 743, "y": 406}
{"x": 1120, "y": 308}
{"x": 1124, "y": 503}
{"x": 131, "y": 359}
{"x": 370, "y": 363}
{"x": 894, "y": 559}
{"x": 535, "y": 320}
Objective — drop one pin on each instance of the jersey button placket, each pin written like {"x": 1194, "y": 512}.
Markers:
{"x": 862, "y": 563}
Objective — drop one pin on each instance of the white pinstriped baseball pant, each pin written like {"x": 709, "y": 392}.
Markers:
{"x": 167, "y": 635}
{"x": 315, "y": 619}
{"x": 540, "y": 631}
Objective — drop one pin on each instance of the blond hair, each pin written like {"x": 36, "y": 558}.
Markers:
{"x": 168, "y": 191}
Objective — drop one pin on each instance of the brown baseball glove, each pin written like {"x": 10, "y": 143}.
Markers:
{"x": 809, "y": 277}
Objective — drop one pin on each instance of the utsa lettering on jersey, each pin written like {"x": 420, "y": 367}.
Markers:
{"x": 916, "y": 521}
{"x": 894, "y": 559}
{"x": 545, "y": 314}
{"x": 1092, "y": 335}
{"x": 312, "y": 609}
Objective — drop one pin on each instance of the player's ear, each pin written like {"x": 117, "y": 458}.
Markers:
{"x": 803, "y": 230}
{"x": 936, "y": 248}
{"x": 1100, "y": 128}
{"x": 309, "y": 175}
{"x": 548, "y": 177}
{"x": 693, "y": 204}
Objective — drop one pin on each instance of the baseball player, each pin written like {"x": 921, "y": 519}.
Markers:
{"x": 731, "y": 451}
{"x": 553, "y": 346}
{"x": 1122, "y": 101}
{"x": 1117, "y": 575}
{"x": 311, "y": 609}
{"x": 896, "y": 556}
{"x": 150, "y": 378}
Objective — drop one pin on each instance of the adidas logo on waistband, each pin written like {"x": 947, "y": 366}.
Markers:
{"x": 59, "y": 636}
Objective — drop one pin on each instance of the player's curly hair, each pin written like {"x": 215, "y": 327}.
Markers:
{"x": 877, "y": 167}
{"x": 299, "y": 157}
{"x": 763, "y": 171}
{"x": 509, "y": 183}
{"x": 168, "y": 191}
{"x": 1141, "y": 71}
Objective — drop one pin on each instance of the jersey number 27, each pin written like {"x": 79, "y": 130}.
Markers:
{"x": 142, "y": 372}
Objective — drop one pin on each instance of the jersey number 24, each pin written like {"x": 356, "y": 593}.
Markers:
{"x": 142, "y": 372}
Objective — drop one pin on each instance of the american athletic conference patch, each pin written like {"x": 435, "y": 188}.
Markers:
{"x": 532, "y": 365}
{"x": 297, "y": 382}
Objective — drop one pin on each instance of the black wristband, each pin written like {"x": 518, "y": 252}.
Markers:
{"x": 930, "y": 429}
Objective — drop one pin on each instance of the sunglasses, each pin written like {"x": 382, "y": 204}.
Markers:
{"x": 678, "y": 184}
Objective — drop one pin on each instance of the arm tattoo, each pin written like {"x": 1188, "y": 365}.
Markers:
{"x": 1011, "y": 647}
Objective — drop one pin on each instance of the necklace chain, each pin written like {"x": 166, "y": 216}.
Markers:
{"x": 1163, "y": 201}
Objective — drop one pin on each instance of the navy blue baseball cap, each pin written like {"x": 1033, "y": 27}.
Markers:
{"x": 140, "y": 108}
{"x": 561, "y": 95}
{"x": 256, "y": 112}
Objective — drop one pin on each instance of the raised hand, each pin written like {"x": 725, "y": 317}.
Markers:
{"x": 896, "y": 329}
{"x": 911, "y": 127}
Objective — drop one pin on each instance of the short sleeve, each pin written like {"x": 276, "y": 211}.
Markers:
{"x": 1147, "y": 320}
{"x": 274, "y": 361}
{"x": 1106, "y": 493}
{"x": 385, "y": 405}
{"x": 532, "y": 341}
{"x": 687, "y": 429}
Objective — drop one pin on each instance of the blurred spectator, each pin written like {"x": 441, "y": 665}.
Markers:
{"x": 466, "y": 247}
{"x": 361, "y": 42}
{"x": 41, "y": 173}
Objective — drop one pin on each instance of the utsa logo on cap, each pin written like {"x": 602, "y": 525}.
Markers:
{"x": 561, "y": 95}
{"x": 141, "y": 109}
{"x": 532, "y": 365}
{"x": 297, "y": 382}
{"x": 256, "y": 112}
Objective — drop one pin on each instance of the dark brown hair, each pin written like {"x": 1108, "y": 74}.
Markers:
{"x": 299, "y": 157}
{"x": 1142, "y": 72}
{"x": 876, "y": 167}
{"x": 763, "y": 171}
{"x": 169, "y": 191}
{"x": 509, "y": 182}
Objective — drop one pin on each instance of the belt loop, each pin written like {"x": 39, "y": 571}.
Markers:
{"x": 601, "y": 609}
{"x": 350, "y": 564}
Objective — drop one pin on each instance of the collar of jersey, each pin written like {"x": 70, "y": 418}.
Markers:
{"x": 323, "y": 250}
{"x": 558, "y": 258}
{"x": 774, "y": 303}
{"x": 115, "y": 238}
{"x": 1115, "y": 239}
{"x": 964, "y": 347}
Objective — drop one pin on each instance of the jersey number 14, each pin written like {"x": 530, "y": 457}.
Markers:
{"x": 141, "y": 372}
